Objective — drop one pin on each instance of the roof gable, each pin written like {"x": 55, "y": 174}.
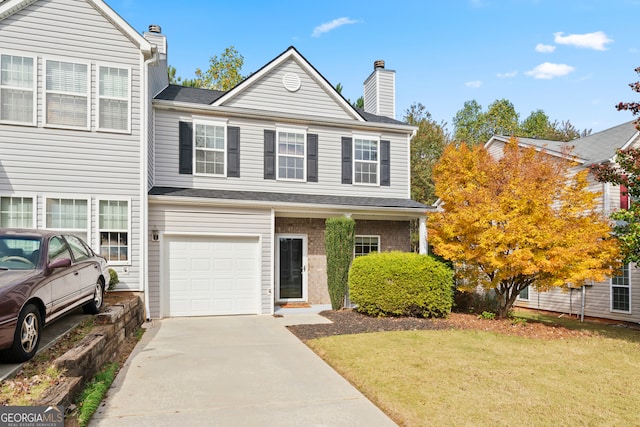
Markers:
{"x": 289, "y": 83}
{"x": 10, "y": 7}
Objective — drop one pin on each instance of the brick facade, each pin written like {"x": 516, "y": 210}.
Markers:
{"x": 394, "y": 236}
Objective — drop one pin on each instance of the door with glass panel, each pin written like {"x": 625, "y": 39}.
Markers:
{"x": 291, "y": 260}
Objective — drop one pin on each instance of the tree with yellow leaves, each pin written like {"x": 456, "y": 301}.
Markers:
{"x": 519, "y": 219}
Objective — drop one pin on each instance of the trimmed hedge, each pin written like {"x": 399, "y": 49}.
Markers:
{"x": 401, "y": 284}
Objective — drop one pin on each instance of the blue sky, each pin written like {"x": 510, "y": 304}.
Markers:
{"x": 574, "y": 59}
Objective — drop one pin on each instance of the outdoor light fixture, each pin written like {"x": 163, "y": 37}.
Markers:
{"x": 155, "y": 236}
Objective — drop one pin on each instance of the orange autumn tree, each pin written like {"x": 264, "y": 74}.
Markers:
{"x": 517, "y": 221}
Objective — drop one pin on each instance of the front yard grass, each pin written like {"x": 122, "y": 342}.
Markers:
{"x": 478, "y": 378}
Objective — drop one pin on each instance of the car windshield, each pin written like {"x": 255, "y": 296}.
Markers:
{"x": 19, "y": 253}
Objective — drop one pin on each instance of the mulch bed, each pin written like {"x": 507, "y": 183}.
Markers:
{"x": 349, "y": 321}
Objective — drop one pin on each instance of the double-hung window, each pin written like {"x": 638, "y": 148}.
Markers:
{"x": 71, "y": 215}
{"x": 17, "y": 89}
{"x": 366, "y": 161}
{"x": 113, "y": 99}
{"x": 621, "y": 290}
{"x": 291, "y": 155}
{"x": 67, "y": 94}
{"x": 17, "y": 212}
{"x": 210, "y": 148}
{"x": 366, "y": 244}
{"x": 113, "y": 229}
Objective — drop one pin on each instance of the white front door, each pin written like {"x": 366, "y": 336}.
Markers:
{"x": 291, "y": 265}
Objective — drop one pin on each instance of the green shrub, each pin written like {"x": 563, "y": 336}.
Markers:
{"x": 113, "y": 279}
{"x": 339, "y": 240}
{"x": 487, "y": 315}
{"x": 401, "y": 284}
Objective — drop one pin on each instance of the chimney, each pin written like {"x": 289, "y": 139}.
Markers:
{"x": 155, "y": 36}
{"x": 158, "y": 75}
{"x": 380, "y": 91}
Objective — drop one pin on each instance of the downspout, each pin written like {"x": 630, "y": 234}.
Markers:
{"x": 584, "y": 295}
{"x": 144, "y": 197}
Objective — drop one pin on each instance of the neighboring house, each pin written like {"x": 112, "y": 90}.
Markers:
{"x": 208, "y": 202}
{"x": 244, "y": 180}
{"x": 619, "y": 297}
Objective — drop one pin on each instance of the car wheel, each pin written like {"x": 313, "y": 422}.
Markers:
{"x": 94, "y": 306}
{"x": 27, "y": 336}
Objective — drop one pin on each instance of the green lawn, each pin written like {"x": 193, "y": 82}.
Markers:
{"x": 475, "y": 378}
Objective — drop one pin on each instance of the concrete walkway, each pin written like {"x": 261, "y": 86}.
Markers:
{"x": 231, "y": 371}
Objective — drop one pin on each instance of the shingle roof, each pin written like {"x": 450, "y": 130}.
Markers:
{"x": 326, "y": 200}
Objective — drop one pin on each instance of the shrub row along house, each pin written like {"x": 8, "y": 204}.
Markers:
{"x": 208, "y": 202}
{"x": 614, "y": 299}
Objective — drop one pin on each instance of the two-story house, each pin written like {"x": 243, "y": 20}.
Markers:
{"x": 615, "y": 298}
{"x": 207, "y": 202}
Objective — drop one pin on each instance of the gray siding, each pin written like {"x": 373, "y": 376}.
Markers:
{"x": 207, "y": 220}
{"x": 53, "y": 162}
{"x": 252, "y": 156}
{"x": 269, "y": 94}
{"x": 379, "y": 93}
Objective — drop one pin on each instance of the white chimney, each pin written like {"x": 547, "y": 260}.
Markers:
{"x": 380, "y": 91}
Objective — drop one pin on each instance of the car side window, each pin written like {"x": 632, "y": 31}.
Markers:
{"x": 78, "y": 249}
{"x": 58, "y": 249}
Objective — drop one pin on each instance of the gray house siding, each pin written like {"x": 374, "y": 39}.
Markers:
{"x": 48, "y": 161}
{"x": 207, "y": 220}
{"x": 252, "y": 159}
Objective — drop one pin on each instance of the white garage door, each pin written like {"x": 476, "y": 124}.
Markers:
{"x": 212, "y": 275}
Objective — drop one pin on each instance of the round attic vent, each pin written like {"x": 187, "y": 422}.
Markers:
{"x": 291, "y": 82}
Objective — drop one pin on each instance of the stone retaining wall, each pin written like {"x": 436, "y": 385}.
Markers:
{"x": 118, "y": 321}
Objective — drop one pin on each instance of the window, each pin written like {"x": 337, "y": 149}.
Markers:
{"x": 365, "y": 161}
{"x": 113, "y": 98}
{"x": 78, "y": 249}
{"x": 366, "y": 245}
{"x": 524, "y": 294}
{"x": 291, "y": 155}
{"x": 68, "y": 215}
{"x": 17, "y": 89}
{"x": 16, "y": 212}
{"x": 621, "y": 290}
{"x": 67, "y": 94}
{"x": 210, "y": 148}
{"x": 58, "y": 249}
{"x": 113, "y": 223}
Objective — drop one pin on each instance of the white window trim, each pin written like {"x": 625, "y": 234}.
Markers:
{"x": 34, "y": 87}
{"x": 218, "y": 123}
{"x": 45, "y": 226}
{"x": 45, "y": 92}
{"x": 98, "y": 97}
{"x": 611, "y": 286}
{"x": 96, "y": 246}
{"x": 302, "y": 131}
{"x": 32, "y": 196}
{"x": 377, "y": 236}
{"x": 353, "y": 156}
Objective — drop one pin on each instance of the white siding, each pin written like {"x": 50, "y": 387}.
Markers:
{"x": 55, "y": 162}
{"x": 269, "y": 94}
{"x": 208, "y": 220}
{"x": 252, "y": 161}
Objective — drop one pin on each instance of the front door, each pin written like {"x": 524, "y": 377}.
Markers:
{"x": 292, "y": 259}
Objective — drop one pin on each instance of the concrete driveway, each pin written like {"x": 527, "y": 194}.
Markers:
{"x": 231, "y": 371}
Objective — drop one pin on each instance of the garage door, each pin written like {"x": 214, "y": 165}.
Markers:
{"x": 212, "y": 275}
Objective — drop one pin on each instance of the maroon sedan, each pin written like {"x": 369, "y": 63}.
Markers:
{"x": 43, "y": 275}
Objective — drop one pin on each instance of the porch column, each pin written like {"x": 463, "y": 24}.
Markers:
{"x": 423, "y": 235}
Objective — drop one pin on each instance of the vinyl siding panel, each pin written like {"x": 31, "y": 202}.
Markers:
{"x": 207, "y": 220}
{"x": 269, "y": 94}
{"x": 54, "y": 162}
{"x": 252, "y": 165}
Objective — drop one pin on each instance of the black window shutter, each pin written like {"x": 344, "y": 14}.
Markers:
{"x": 269, "y": 154}
{"x": 233, "y": 151}
{"x": 312, "y": 158}
{"x": 186, "y": 148}
{"x": 385, "y": 169}
{"x": 347, "y": 162}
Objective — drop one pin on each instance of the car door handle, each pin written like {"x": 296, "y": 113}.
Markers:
{"x": 75, "y": 273}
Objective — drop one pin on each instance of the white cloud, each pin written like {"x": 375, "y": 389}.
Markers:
{"x": 548, "y": 71}
{"x": 596, "y": 41}
{"x": 328, "y": 26}
{"x": 474, "y": 84}
{"x": 544, "y": 48}
{"x": 509, "y": 75}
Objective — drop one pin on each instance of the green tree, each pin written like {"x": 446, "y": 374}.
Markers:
{"x": 634, "y": 107}
{"x": 176, "y": 80}
{"x": 359, "y": 102}
{"x": 501, "y": 118}
{"x": 224, "y": 71}
{"x": 469, "y": 124}
{"x": 535, "y": 125}
{"x": 339, "y": 240}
